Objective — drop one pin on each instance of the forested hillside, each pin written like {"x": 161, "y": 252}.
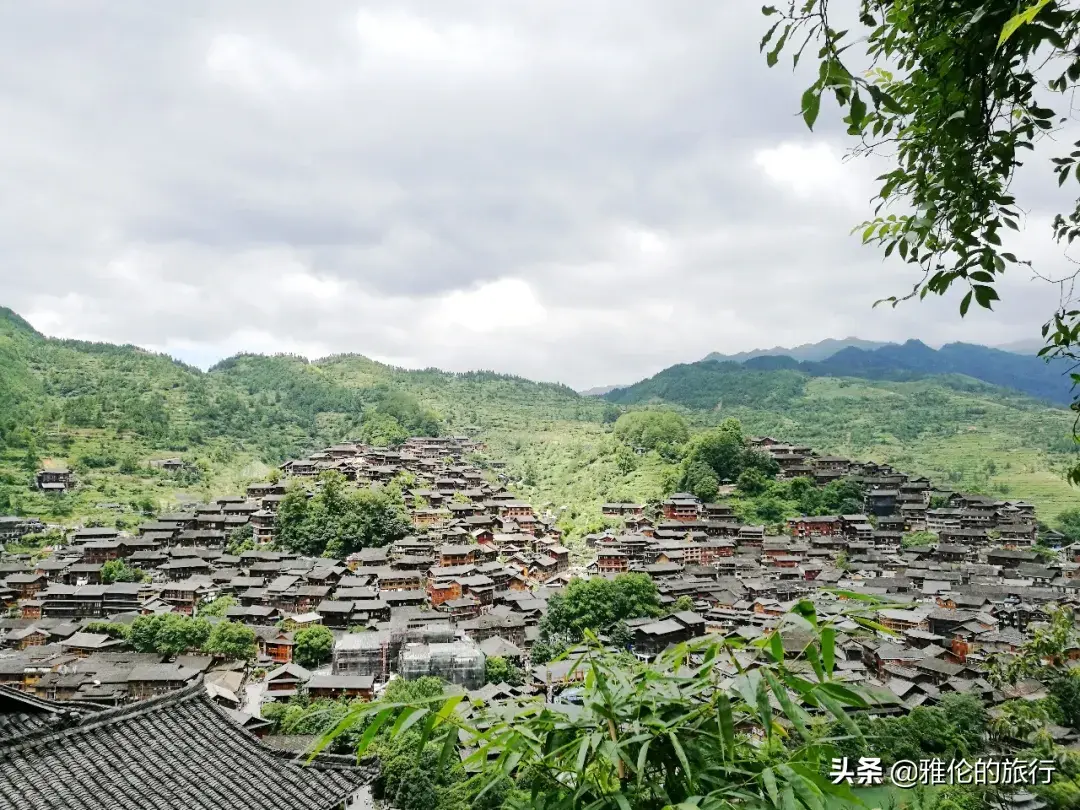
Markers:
{"x": 108, "y": 411}
{"x": 915, "y": 360}
{"x": 961, "y": 431}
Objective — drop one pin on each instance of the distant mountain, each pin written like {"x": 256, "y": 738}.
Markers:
{"x": 600, "y": 390}
{"x": 914, "y": 360}
{"x": 1030, "y": 346}
{"x": 807, "y": 351}
{"x": 702, "y": 384}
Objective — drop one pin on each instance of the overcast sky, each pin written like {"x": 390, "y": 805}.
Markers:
{"x": 575, "y": 191}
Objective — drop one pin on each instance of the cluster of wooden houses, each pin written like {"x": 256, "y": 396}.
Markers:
{"x": 475, "y": 578}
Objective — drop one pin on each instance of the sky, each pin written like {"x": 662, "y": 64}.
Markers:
{"x": 584, "y": 192}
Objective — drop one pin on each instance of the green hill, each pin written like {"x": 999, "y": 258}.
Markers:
{"x": 107, "y": 411}
{"x": 963, "y": 432}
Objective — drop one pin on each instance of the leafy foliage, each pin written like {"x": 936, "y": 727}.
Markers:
{"x": 666, "y": 734}
{"x": 723, "y": 451}
{"x": 773, "y": 501}
{"x": 111, "y": 629}
{"x": 1068, "y": 523}
{"x": 955, "y": 95}
{"x": 119, "y": 571}
{"x": 219, "y": 606}
{"x": 168, "y": 634}
{"x": 593, "y": 605}
{"x": 313, "y": 646}
{"x": 499, "y": 670}
{"x": 659, "y": 430}
{"x": 232, "y": 640}
{"x": 241, "y": 539}
{"x": 339, "y": 519}
{"x": 952, "y": 730}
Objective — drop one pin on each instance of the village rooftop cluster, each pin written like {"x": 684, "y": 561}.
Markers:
{"x": 475, "y": 578}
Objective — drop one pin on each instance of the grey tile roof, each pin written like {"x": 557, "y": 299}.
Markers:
{"x": 177, "y": 750}
{"x": 22, "y": 714}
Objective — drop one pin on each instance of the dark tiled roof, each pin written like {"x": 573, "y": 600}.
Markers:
{"x": 177, "y": 750}
{"x": 22, "y": 714}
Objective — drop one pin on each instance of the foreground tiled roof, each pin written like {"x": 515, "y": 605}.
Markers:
{"x": 178, "y": 750}
{"x": 22, "y": 714}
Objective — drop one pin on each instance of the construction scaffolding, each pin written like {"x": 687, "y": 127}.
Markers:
{"x": 377, "y": 653}
{"x": 459, "y": 662}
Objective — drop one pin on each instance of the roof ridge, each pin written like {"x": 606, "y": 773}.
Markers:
{"x": 194, "y": 692}
{"x": 107, "y": 716}
{"x": 53, "y": 706}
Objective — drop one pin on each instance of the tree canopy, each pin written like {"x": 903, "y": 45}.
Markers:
{"x": 338, "y": 519}
{"x": 721, "y": 454}
{"x": 957, "y": 97}
{"x": 498, "y": 670}
{"x": 232, "y": 640}
{"x": 659, "y": 430}
{"x": 119, "y": 571}
{"x": 313, "y": 646}
{"x": 596, "y": 605}
{"x": 168, "y": 633}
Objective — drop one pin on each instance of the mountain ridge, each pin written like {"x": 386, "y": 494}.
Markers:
{"x": 805, "y": 351}
{"x": 108, "y": 411}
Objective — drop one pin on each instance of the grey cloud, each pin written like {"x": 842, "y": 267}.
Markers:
{"x": 562, "y": 190}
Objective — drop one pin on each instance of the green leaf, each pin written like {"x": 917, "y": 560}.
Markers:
{"x": 985, "y": 295}
{"x": 681, "y": 755}
{"x": 828, "y": 648}
{"x": 776, "y": 647}
{"x": 373, "y": 729}
{"x": 964, "y": 304}
{"x": 811, "y": 105}
{"x": 810, "y": 794}
{"x": 837, "y": 711}
{"x": 773, "y": 56}
{"x": 449, "y": 744}
{"x": 408, "y": 717}
{"x": 642, "y": 757}
{"x": 858, "y": 111}
{"x": 791, "y": 711}
{"x": 583, "y": 754}
{"x": 768, "y": 10}
{"x": 1024, "y": 17}
{"x": 727, "y": 725}
{"x": 769, "y": 778}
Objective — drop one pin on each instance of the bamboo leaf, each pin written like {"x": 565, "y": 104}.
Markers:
{"x": 642, "y": 757}
{"x": 409, "y": 716}
{"x": 769, "y": 778}
{"x": 727, "y": 725}
{"x": 776, "y": 646}
{"x": 373, "y": 729}
{"x": 837, "y": 711}
{"x": 791, "y": 711}
{"x": 808, "y": 792}
{"x": 582, "y": 754}
{"x": 449, "y": 744}
{"x": 675, "y": 744}
{"x": 828, "y": 648}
